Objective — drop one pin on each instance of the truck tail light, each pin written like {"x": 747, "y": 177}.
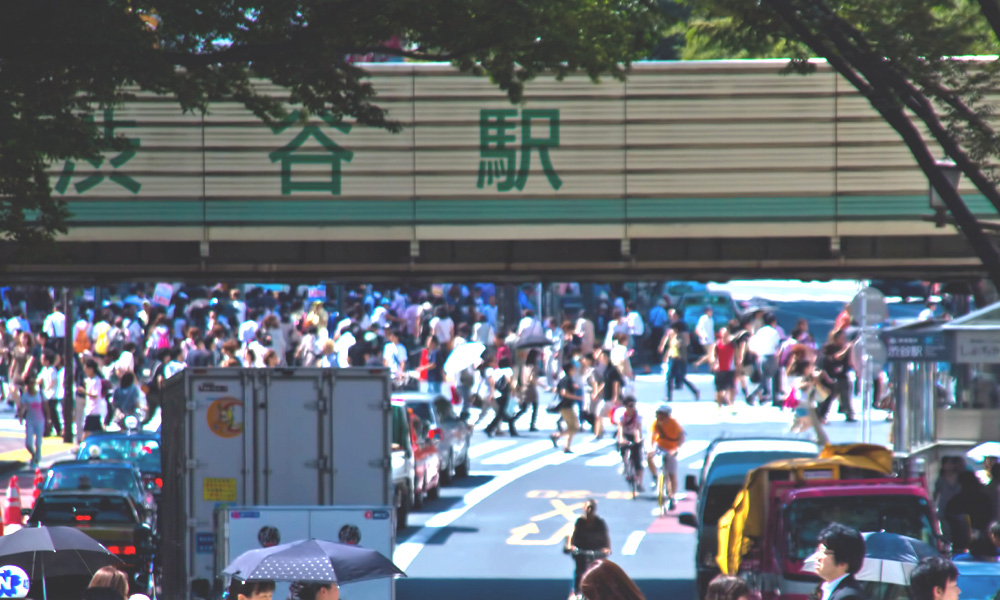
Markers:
{"x": 159, "y": 482}
{"x": 83, "y": 517}
{"x": 115, "y": 549}
{"x": 128, "y": 550}
{"x": 125, "y": 550}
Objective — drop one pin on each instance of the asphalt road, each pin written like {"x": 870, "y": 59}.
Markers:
{"x": 498, "y": 534}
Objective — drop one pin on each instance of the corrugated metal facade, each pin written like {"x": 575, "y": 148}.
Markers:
{"x": 679, "y": 150}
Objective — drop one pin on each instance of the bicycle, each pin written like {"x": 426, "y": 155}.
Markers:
{"x": 632, "y": 476}
{"x": 590, "y": 556}
{"x": 661, "y": 485}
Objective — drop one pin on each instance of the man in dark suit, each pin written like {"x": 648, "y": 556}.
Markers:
{"x": 839, "y": 556}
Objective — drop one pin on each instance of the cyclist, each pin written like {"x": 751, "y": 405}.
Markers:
{"x": 630, "y": 439}
{"x": 666, "y": 436}
{"x": 589, "y": 542}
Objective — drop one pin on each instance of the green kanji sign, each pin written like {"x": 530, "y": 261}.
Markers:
{"x": 498, "y": 155}
{"x": 290, "y": 155}
{"x": 96, "y": 178}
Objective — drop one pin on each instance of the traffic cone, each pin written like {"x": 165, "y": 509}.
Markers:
{"x": 39, "y": 480}
{"x": 12, "y": 509}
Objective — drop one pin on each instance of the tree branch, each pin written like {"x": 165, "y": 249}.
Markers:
{"x": 876, "y": 91}
{"x": 991, "y": 10}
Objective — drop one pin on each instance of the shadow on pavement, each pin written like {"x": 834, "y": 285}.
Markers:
{"x": 505, "y": 589}
{"x": 436, "y": 506}
{"x": 472, "y": 481}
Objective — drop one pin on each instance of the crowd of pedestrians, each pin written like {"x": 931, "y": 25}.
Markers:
{"x": 123, "y": 350}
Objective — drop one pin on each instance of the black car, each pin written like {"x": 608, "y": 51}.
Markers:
{"x": 141, "y": 449}
{"x": 118, "y": 475}
{"x": 111, "y": 518}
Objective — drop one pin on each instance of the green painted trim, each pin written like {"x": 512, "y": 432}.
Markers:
{"x": 511, "y": 210}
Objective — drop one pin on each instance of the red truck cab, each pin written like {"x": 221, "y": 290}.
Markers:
{"x": 777, "y": 517}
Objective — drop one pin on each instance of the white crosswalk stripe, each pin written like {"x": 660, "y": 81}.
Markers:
{"x": 519, "y": 453}
{"x": 490, "y": 446}
{"x": 607, "y": 460}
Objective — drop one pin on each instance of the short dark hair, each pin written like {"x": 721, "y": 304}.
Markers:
{"x": 932, "y": 572}
{"x": 846, "y": 544}
{"x": 569, "y": 366}
{"x": 726, "y": 587}
{"x": 995, "y": 529}
{"x": 249, "y": 588}
{"x": 307, "y": 590}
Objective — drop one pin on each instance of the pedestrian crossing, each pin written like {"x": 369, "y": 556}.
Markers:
{"x": 592, "y": 452}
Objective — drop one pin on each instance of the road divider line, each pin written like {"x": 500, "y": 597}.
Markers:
{"x": 519, "y": 453}
{"x": 490, "y": 446}
{"x": 408, "y": 550}
{"x": 632, "y": 543}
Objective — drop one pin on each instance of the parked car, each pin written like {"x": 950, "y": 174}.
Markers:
{"x": 118, "y": 475}
{"x": 140, "y": 448}
{"x": 110, "y": 517}
{"x": 416, "y": 464}
{"x": 451, "y": 434}
{"x": 675, "y": 290}
{"x": 727, "y": 462}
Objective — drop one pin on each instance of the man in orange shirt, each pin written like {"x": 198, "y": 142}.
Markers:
{"x": 666, "y": 436}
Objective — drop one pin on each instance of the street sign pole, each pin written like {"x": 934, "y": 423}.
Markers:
{"x": 869, "y": 352}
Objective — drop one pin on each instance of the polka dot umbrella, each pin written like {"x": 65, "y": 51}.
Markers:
{"x": 312, "y": 561}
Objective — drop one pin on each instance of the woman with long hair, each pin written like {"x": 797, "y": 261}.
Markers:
{"x": 32, "y": 410}
{"x": 605, "y": 580}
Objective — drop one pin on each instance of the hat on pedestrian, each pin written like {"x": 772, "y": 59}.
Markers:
{"x": 664, "y": 409}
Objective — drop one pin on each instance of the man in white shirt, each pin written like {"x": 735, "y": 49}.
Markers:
{"x": 239, "y": 307}
{"x": 17, "y": 322}
{"x": 705, "y": 329}
{"x": 765, "y": 344}
{"x": 840, "y": 554}
{"x": 380, "y": 316}
{"x": 54, "y": 326}
{"x": 928, "y": 312}
{"x": 443, "y": 327}
{"x": 248, "y": 329}
{"x": 394, "y": 356}
{"x": 585, "y": 331}
{"x": 529, "y": 326}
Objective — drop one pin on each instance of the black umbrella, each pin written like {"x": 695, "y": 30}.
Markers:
{"x": 54, "y": 551}
{"x": 532, "y": 341}
{"x": 312, "y": 561}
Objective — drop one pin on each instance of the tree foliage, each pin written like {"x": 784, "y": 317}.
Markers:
{"x": 61, "y": 58}
{"x": 904, "y": 56}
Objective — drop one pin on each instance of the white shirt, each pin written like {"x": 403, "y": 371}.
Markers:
{"x": 172, "y": 368}
{"x": 94, "y": 405}
{"x": 248, "y": 330}
{"x": 15, "y": 324}
{"x": 341, "y": 327}
{"x": 241, "y": 310}
{"x": 705, "y": 329}
{"x": 927, "y": 313}
{"x": 52, "y": 383}
{"x": 125, "y": 363}
{"x": 394, "y": 356}
{"x": 55, "y": 325}
{"x": 766, "y": 341}
{"x": 483, "y": 333}
{"x": 342, "y": 346}
{"x": 530, "y": 327}
{"x": 380, "y": 315}
{"x": 636, "y": 327}
{"x": 828, "y": 586}
{"x": 444, "y": 329}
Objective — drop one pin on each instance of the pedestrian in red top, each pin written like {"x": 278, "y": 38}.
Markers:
{"x": 722, "y": 360}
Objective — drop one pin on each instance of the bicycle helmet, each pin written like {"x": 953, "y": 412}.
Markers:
{"x": 664, "y": 409}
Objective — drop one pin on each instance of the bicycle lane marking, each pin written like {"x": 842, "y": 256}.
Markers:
{"x": 407, "y": 551}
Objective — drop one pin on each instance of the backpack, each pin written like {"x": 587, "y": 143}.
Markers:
{"x": 81, "y": 343}
{"x": 107, "y": 388}
{"x": 161, "y": 340}
{"x": 116, "y": 340}
{"x": 103, "y": 341}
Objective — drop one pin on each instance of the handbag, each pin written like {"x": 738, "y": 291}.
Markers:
{"x": 553, "y": 407}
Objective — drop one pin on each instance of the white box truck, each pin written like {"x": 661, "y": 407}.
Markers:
{"x": 245, "y": 528}
{"x": 265, "y": 437}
